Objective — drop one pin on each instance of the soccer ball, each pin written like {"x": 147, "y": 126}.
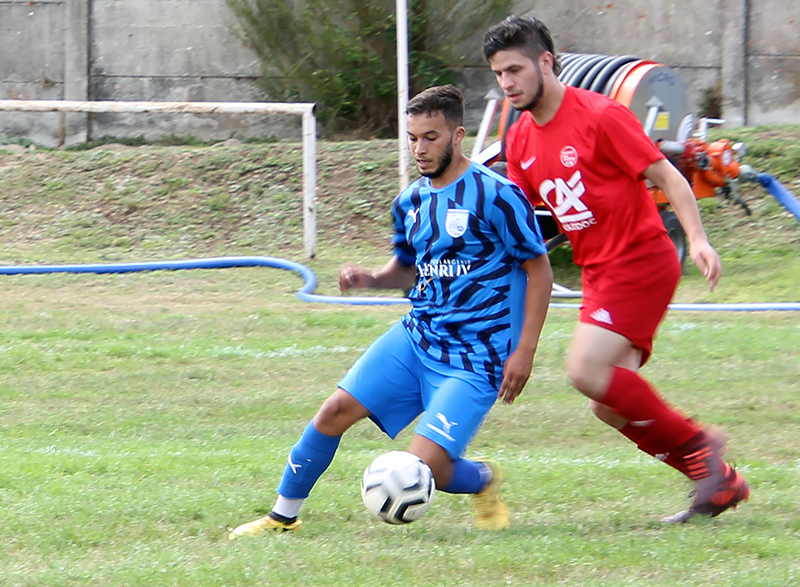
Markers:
{"x": 398, "y": 487}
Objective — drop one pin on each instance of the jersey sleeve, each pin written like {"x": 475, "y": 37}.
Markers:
{"x": 624, "y": 141}
{"x": 402, "y": 248}
{"x": 513, "y": 220}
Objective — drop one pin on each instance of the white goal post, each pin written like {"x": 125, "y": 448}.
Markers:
{"x": 303, "y": 109}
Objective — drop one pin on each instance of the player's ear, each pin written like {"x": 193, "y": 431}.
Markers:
{"x": 546, "y": 61}
{"x": 459, "y": 134}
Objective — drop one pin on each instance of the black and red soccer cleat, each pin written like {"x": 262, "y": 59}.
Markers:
{"x": 727, "y": 493}
{"x": 719, "y": 486}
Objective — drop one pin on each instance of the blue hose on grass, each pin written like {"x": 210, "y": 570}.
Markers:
{"x": 306, "y": 292}
{"x": 781, "y": 194}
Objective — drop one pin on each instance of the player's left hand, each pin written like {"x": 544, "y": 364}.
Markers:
{"x": 516, "y": 372}
{"x": 707, "y": 260}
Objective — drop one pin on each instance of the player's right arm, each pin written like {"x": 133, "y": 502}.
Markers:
{"x": 393, "y": 275}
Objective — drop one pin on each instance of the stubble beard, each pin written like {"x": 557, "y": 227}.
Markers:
{"x": 537, "y": 95}
{"x": 444, "y": 162}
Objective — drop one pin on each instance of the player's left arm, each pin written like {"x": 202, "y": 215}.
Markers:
{"x": 518, "y": 366}
{"x": 679, "y": 193}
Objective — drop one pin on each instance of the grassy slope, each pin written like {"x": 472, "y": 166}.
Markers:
{"x": 119, "y": 203}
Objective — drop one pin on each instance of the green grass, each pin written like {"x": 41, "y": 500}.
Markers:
{"x": 143, "y": 415}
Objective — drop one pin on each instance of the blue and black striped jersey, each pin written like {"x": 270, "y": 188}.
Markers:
{"x": 467, "y": 241}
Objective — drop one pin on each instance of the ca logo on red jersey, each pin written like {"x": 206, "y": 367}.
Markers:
{"x": 564, "y": 198}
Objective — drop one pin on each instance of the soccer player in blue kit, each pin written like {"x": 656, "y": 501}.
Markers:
{"x": 467, "y": 244}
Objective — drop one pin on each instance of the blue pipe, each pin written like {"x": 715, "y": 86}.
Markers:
{"x": 306, "y": 292}
{"x": 781, "y": 194}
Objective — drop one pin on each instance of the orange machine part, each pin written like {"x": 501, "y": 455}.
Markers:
{"x": 628, "y": 85}
{"x": 501, "y": 128}
{"x": 721, "y": 166}
{"x": 658, "y": 196}
{"x": 700, "y": 187}
{"x": 722, "y": 159}
{"x": 621, "y": 77}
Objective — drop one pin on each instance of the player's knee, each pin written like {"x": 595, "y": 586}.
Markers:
{"x": 338, "y": 413}
{"x": 599, "y": 410}
{"x": 587, "y": 378}
{"x": 606, "y": 415}
{"x": 580, "y": 378}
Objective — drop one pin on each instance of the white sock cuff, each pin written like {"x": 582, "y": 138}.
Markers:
{"x": 288, "y": 508}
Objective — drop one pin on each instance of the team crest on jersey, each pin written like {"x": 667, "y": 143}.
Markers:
{"x": 456, "y": 222}
{"x": 569, "y": 156}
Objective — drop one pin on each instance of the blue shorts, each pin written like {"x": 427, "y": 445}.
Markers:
{"x": 396, "y": 385}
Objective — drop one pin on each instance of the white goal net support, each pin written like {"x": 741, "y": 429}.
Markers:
{"x": 301, "y": 109}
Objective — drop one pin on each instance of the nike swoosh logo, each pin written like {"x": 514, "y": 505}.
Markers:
{"x": 527, "y": 163}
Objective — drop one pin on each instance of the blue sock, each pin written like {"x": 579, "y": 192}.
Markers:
{"x": 308, "y": 460}
{"x": 468, "y": 477}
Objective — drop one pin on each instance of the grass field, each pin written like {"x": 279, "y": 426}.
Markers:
{"x": 144, "y": 415}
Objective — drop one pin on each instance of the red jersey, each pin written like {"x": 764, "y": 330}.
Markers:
{"x": 586, "y": 165}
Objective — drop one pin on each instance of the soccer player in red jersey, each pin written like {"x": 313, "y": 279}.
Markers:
{"x": 586, "y": 157}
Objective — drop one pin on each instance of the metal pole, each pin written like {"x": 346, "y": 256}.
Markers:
{"x": 402, "y": 89}
{"x": 310, "y": 183}
{"x": 746, "y": 64}
{"x": 492, "y": 100}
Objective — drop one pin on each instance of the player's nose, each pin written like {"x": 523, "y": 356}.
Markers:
{"x": 505, "y": 81}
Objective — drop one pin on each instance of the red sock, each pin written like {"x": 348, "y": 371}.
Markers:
{"x": 663, "y": 428}
{"x": 639, "y": 436}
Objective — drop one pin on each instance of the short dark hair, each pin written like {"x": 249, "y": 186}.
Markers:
{"x": 528, "y": 34}
{"x": 446, "y": 99}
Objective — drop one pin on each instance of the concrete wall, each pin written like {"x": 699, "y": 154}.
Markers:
{"x": 174, "y": 50}
{"x": 750, "y": 47}
{"x": 774, "y": 62}
{"x": 32, "y": 55}
{"x": 151, "y": 50}
{"x": 685, "y": 34}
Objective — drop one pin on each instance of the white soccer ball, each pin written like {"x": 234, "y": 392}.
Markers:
{"x": 398, "y": 487}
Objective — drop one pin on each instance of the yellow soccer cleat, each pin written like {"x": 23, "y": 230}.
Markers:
{"x": 491, "y": 512}
{"x": 262, "y": 525}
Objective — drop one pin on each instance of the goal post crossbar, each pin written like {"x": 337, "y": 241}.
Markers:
{"x": 306, "y": 110}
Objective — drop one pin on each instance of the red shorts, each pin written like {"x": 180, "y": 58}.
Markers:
{"x": 630, "y": 295}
